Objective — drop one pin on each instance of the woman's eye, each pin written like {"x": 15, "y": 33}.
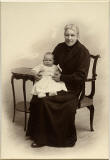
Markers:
{"x": 72, "y": 35}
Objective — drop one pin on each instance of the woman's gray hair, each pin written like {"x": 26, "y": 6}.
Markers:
{"x": 72, "y": 27}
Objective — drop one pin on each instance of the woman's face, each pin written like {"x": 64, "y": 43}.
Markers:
{"x": 70, "y": 36}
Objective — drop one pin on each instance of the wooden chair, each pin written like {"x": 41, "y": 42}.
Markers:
{"x": 87, "y": 100}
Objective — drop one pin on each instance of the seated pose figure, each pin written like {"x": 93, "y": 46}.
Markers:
{"x": 52, "y": 118}
{"x": 47, "y": 84}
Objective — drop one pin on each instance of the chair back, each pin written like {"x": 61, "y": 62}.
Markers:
{"x": 91, "y": 77}
{"x": 93, "y": 64}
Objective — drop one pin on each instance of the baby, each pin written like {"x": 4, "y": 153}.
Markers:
{"x": 47, "y": 85}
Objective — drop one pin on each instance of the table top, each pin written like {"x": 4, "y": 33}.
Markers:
{"x": 22, "y": 71}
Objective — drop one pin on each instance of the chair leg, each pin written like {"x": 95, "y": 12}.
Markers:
{"x": 14, "y": 101}
{"x": 91, "y": 109}
{"x": 25, "y": 107}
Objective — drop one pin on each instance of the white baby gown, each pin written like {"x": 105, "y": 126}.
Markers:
{"x": 47, "y": 84}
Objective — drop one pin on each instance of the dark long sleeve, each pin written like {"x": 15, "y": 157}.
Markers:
{"x": 81, "y": 72}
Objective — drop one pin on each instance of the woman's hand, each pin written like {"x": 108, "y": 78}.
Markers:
{"x": 56, "y": 76}
{"x": 38, "y": 77}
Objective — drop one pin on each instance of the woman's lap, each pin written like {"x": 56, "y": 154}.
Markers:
{"x": 52, "y": 120}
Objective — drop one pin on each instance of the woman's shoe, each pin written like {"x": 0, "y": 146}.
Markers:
{"x": 35, "y": 145}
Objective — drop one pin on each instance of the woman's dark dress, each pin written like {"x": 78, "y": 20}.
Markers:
{"x": 52, "y": 119}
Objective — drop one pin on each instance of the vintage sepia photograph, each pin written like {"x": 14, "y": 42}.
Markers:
{"x": 55, "y": 80}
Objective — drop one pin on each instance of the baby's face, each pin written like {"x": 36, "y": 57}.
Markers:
{"x": 48, "y": 60}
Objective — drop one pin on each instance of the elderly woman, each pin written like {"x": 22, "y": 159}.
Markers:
{"x": 52, "y": 118}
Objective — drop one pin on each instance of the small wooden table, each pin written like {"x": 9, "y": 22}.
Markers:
{"x": 25, "y": 74}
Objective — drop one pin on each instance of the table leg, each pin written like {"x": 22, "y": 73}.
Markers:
{"x": 25, "y": 107}
{"x": 13, "y": 90}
